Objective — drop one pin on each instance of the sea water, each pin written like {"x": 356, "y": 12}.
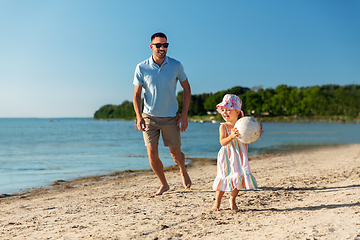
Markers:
{"x": 36, "y": 152}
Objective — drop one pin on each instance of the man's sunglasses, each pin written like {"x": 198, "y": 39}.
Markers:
{"x": 158, "y": 45}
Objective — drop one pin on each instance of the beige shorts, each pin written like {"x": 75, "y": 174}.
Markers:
{"x": 166, "y": 125}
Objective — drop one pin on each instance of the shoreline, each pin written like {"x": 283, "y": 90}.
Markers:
{"x": 303, "y": 194}
{"x": 60, "y": 183}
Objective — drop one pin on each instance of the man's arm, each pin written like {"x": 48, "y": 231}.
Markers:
{"x": 140, "y": 123}
{"x": 183, "y": 121}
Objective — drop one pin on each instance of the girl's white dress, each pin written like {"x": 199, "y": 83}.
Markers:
{"x": 233, "y": 169}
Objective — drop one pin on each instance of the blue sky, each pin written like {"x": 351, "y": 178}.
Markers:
{"x": 68, "y": 58}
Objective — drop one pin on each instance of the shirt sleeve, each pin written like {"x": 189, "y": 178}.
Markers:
{"x": 138, "y": 79}
{"x": 181, "y": 73}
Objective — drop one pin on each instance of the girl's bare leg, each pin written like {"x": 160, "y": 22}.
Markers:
{"x": 219, "y": 195}
{"x": 232, "y": 199}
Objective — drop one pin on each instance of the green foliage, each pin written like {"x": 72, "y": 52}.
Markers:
{"x": 283, "y": 101}
{"x": 124, "y": 111}
{"x": 213, "y": 99}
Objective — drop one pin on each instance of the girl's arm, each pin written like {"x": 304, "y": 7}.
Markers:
{"x": 225, "y": 139}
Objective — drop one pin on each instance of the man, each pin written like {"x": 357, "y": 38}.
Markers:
{"x": 158, "y": 77}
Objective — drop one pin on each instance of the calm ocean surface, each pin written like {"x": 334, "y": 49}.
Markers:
{"x": 36, "y": 152}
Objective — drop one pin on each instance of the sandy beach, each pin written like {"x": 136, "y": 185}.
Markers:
{"x": 305, "y": 194}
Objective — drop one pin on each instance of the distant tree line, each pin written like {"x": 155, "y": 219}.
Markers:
{"x": 326, "y": 100}
{"x": 124, "y": 111}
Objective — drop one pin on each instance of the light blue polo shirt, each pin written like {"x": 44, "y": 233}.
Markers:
{"x": 159, "y": 85}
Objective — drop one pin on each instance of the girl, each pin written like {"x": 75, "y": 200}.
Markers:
{"x": 233, "y": 171}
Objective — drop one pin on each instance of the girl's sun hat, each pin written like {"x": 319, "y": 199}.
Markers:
{"x": 230, "y": 101}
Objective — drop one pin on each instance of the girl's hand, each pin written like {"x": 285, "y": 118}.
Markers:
{"x": 235, "y": 133}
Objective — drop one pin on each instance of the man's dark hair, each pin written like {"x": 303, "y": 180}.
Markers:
{"x": 159, "y": 34}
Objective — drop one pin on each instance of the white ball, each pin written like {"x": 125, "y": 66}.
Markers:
{"x": 249, "y": 129}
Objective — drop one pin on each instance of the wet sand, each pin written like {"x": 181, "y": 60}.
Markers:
{"x": 306, "y": 194}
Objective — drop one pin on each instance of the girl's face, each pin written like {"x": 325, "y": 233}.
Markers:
{"x": 229, "y": 114}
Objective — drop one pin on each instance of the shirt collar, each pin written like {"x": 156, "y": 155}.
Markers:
{"x": 166, "y": 61}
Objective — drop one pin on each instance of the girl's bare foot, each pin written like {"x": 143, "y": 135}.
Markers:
{"x": 161, "y": 190}
{"x": 216, "y": 207}
{"x": 233, "y": 204}
{"x": 219, "y": 195}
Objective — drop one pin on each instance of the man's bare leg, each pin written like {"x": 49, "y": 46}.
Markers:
{"x": 158, "y": 168}
{"x": 179, "y": 159}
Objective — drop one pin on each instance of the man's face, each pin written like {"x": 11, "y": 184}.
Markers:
{"x": 158, "y": 52}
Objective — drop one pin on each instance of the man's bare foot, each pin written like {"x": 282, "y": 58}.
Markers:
{"x": 233, "y": 204}
{"x": 161, "y": 190}
{"x": 186, "y": 179}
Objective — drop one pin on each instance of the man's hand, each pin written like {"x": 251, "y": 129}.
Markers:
{"x": 183, "y": 123}
{"x": 140, "y": 123}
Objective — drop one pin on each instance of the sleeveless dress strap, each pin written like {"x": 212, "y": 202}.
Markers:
{"x": 227, "y": 131}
